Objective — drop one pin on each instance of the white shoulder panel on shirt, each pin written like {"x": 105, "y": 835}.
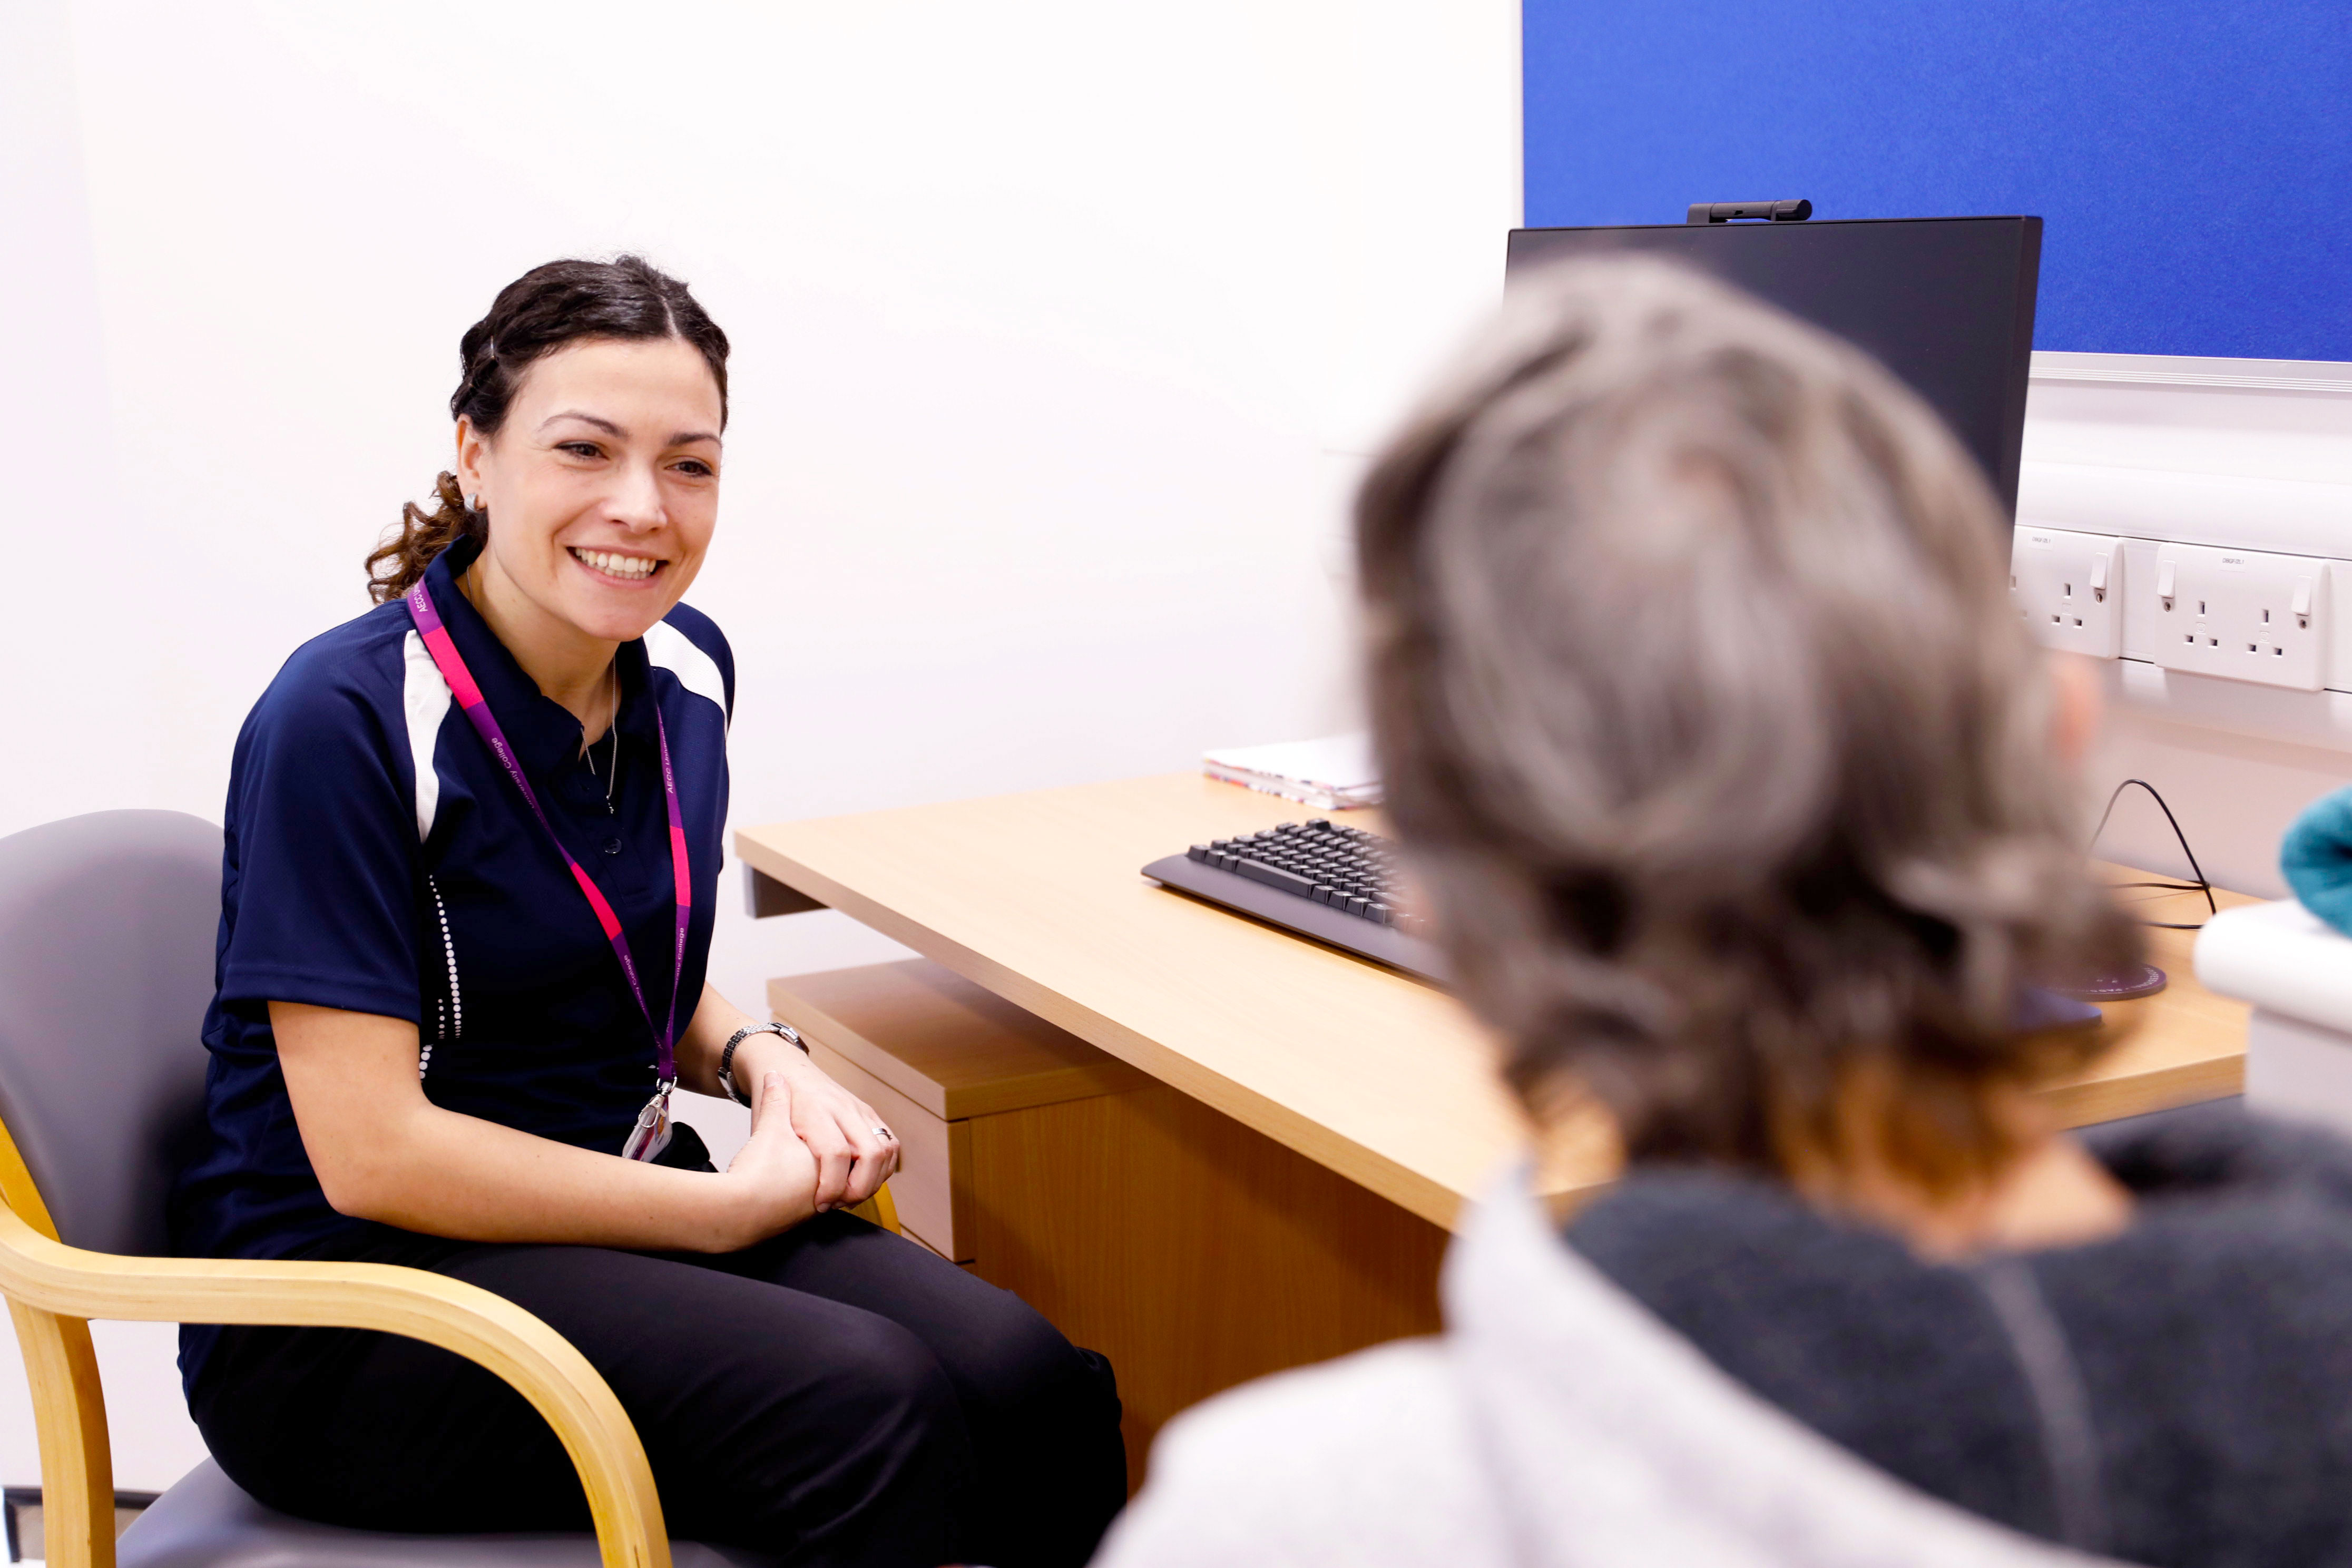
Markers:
{"x": 425, "y": 696}
{"x": 695, "y": 670}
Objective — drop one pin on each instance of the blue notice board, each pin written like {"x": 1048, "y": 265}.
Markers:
{"x": 2193, "y": 161}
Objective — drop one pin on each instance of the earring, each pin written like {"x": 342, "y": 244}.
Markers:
{"x": 474, "y": 503}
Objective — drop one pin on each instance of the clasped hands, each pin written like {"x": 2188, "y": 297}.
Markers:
{"x": 815, "y": 1146}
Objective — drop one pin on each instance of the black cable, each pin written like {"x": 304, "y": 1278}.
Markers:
{"x": 2200, "y": 886}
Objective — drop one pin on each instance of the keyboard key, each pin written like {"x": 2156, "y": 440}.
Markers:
{"x": 1276, "y": 877}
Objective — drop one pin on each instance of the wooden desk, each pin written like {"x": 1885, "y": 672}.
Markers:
{"x": 1038, "y": 899}
{"x": 1270, "y": 1187}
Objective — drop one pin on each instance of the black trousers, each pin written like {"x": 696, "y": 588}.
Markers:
{"x": 836, "y": 1395}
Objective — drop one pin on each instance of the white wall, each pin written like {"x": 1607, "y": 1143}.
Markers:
{"x": 1060, "y": 329}
{"x": 2234, "y": 796}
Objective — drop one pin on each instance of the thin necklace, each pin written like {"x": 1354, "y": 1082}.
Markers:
{"x": 612, "y": 768}
{"x": 612, "y": 754}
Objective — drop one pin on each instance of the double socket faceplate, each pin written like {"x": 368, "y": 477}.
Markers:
{"x": 2069, "y": 588}
{"x": 2242, "y": 615}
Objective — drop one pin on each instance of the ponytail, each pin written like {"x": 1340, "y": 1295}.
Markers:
{"x": 401, "y": 560}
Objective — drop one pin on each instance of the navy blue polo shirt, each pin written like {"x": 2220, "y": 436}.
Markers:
{"x": 379, "y": 859}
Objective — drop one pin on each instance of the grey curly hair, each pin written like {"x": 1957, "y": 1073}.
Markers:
{"x": 1713, "y": 736}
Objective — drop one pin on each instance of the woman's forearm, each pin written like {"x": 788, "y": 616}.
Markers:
{"x": 444, "y": 1174}
{"x": 383, "y": 1152}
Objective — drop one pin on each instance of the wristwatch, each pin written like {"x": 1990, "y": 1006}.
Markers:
{"x": 727, "y": 1055}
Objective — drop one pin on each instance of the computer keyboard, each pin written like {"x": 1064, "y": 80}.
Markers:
{"x": 1340, "y": 885}
{"x": 1337, "y": 884}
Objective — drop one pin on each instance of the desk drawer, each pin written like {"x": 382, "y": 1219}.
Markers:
{"x": 934, "y": 1178}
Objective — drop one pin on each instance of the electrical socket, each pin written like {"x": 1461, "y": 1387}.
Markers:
{"x": 2069, "y": 587}
{"x": 2242, "y": 615}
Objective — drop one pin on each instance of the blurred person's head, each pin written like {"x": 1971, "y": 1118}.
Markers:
{"x": 1733, "y": 779}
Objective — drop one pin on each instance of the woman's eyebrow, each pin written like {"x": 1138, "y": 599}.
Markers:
{"x": 607, "y": 425}
{"x": 681, "y": 438}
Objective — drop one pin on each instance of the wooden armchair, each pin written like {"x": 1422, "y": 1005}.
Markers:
{"x": 106, "y": 951}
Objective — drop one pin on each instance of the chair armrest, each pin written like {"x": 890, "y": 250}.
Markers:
{"x": 493, "y": 1333}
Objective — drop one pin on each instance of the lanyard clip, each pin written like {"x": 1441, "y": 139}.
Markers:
{"x": 651, "y": 1134}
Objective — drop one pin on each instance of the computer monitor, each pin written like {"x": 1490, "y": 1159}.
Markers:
{"x": 1947, "y": 303}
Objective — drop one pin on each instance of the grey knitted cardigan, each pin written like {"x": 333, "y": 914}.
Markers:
{"x": 2179, "y": 1393}
{"x": 1715, "y": 1374}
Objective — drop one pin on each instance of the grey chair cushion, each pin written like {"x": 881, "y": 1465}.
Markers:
{"x": 206, "y": 1521}
{"x": 108, "y": 924}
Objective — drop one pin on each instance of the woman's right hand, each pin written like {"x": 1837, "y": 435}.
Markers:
{"x": 773, "y": 1175}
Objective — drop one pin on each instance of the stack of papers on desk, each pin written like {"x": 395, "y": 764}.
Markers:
{"x": 1332, "y": 773}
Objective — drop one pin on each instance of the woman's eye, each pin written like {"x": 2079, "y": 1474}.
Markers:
{"x": 580, "y": 449}
{"x": 695, "y": 468}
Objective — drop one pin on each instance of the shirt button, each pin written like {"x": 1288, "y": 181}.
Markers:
{"x": 611, "y": 846}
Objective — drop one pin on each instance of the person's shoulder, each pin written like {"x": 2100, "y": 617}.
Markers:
{"x": 350, "y": 673}
{"x": 689, "y": 645}
{"x": 1367, "y": 1460}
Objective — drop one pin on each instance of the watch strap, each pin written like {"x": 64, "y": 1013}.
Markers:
{"x": 727, "y": 1055}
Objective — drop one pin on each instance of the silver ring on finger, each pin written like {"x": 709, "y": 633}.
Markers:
{"x": 885, "y": 1134}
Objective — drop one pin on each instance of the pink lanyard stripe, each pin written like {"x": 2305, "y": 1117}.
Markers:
{"x": 462, "y": 686}
{"x": 604, "y": 915}
{"x": 452, "y": 667}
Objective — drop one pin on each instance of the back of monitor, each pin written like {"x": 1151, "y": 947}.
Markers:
{"x": 1945, "y": 303}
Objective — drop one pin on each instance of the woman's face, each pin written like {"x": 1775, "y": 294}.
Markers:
{"x": 603, "y": 485}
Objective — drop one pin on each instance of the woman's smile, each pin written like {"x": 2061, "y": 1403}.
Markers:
{"x": 613, "y": 566}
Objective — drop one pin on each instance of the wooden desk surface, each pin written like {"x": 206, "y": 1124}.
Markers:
{"x": 1039, "y": 899}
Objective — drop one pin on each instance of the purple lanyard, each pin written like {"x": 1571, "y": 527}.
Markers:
{"x": 445, "y": 658}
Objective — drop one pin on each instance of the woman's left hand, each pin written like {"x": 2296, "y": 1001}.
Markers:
{"x": 856, "y": 1151}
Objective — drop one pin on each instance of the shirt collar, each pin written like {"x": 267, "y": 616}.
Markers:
{"x": 544, "y": 734}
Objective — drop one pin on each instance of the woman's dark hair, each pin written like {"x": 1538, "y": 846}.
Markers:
{"x": 539, "y": 312}
{"x": 1712, "y": 734}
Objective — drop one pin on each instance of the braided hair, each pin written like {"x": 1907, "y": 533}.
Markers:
{"x": 548, "y": 307}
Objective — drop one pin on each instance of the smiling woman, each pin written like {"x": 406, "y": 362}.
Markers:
{"x": 473, "y": 848}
